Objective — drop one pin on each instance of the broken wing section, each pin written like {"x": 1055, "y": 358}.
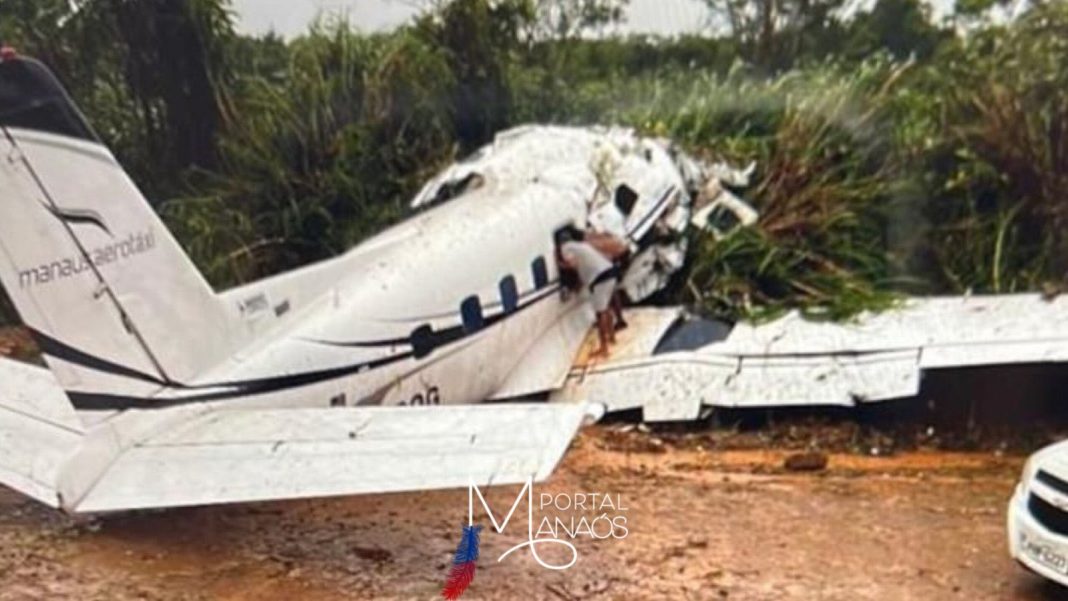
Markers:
{"x": 227, "y": 456}
{"x": 638, "y": 374}
{"x": 794, "y": 361}
{"x": 38, "y": 430}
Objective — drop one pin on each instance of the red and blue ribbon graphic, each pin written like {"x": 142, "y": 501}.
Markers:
{"x": 462, "y": 572}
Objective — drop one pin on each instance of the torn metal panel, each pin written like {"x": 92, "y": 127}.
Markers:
{"x": 675, "y": 386}
{"x": 638, "y": 189}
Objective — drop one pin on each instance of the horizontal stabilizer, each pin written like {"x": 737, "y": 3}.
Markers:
{"x": 226, "y": 456}
{"x": 38, "y": 430}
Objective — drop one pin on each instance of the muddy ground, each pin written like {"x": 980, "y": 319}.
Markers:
{"x": 704, "y": 522}
{"x": 910, "y": 505}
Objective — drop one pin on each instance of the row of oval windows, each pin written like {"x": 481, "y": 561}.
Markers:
{"x": 424, "y": 339}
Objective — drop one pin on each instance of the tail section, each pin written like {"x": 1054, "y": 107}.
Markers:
{"x": 39, "y": 431}
{"x": 117, "y": 306}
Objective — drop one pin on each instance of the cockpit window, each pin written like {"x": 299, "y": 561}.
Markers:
{"x": 626, "y": 198}
{"x": 723, "y": 220}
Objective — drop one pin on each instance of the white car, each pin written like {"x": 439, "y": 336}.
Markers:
{"x": 1038, "y": 514}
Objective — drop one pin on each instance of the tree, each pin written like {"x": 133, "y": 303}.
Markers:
{"x": 480, "y": 39}
{"x": 902, "y": 27}
{"x": 569, "y": 19}
{"x": 174, "y": 63}
{"x": 150, "y": 73}
{"x": 773, "y": 33}
{"x": 993, "y": 128}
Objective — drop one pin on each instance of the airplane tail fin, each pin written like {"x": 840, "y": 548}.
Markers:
{"x": 116, "y": 305}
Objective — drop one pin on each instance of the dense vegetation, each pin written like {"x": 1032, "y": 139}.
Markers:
{"x": 894, "y": 154}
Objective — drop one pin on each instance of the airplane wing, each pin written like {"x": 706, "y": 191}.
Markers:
{"x": 229, "y": 456}
{"x": 671, "y": 369}
{"x": 196, "y": 454}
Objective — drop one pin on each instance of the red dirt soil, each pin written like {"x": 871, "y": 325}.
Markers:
{"x": 702, "y": 524}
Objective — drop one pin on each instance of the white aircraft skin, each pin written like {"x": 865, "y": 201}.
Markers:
{"x": 366, "y": 373}
{"x": 343, "y": 332}
{"x": 442, "y": 309}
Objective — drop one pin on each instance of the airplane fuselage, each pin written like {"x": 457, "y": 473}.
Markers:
{"x": 443, "y": 308}
{"x": 440, "y": 309}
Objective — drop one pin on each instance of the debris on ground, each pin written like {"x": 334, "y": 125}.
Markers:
{"x": 812, "y": 461}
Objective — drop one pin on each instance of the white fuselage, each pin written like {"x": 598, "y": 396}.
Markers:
{"x": 443, "y": 308}
{"x": 440, "y": 309}
{"x": 417, "y": 275}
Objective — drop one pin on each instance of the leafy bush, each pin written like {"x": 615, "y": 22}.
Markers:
{"x": 991, "y": 133}
{"x": 933, "y": 164}
{"x": 311, "y": 167}
{"x": 826, "y": 183}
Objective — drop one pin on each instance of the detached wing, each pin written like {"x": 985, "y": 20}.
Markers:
{"x": 224, "y": 456}
{"x": 794, "y": 361}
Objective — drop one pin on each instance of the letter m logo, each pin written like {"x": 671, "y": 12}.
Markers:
{"x": 473, "y": 491}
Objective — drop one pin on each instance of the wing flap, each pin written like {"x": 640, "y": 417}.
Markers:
{"x": 254, "y": 455}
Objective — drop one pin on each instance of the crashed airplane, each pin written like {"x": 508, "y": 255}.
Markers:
{"x": 367, "y": 373}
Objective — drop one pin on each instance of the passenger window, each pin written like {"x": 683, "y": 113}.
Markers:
{"x": 471, "y": 312}
{"x": 422, "y": 340}
{"x": 541, "y": 272}
{"x": 509, "y": 294}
